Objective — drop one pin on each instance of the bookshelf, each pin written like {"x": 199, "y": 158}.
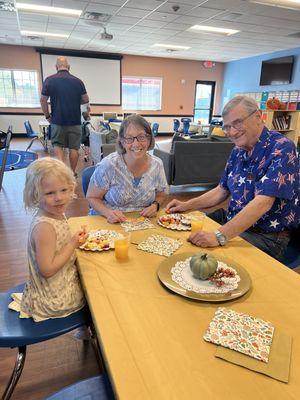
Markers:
{"x": 286, "y": 122}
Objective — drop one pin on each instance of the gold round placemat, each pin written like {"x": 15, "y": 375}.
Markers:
{"x": 164, "y": 275}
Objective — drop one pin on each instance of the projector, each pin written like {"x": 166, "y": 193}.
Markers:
{"x": 106, "y": 36}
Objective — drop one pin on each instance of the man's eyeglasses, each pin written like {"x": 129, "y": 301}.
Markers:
{"x": 238, "y": 124}
{"x": 139, "y": 138}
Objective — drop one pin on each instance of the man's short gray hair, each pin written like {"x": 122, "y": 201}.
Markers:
{"x": 248, "y": 103}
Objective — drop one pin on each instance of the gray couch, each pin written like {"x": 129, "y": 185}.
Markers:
{"x": 194, "y": 161}
{"x": 102, "y": 143}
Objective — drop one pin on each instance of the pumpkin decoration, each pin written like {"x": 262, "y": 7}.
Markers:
{"x": 273, "y": 103}
{"x": 203, "y": 266}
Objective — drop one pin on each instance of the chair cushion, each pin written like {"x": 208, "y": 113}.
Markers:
{"x": 111, "y": 136}
{"x": 15, "y": 331}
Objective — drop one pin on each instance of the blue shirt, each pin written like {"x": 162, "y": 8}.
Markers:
{"x": 124, "y": 192}
{"x": 272, "y": 169}
{"x": 65, "y": 91}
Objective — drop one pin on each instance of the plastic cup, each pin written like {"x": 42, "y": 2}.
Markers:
{"x": 122, "y": 246}
{"x": 197, "y": 221}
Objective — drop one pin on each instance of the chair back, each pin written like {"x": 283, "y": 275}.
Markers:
{"x": 186, "y": 125}
{"x": 5, "y": 146}
{"x": 176, "y": 125}
{"x": 28, "y": 128}
{"x": 154, "y": 128}
{"x": 86, "y": 176}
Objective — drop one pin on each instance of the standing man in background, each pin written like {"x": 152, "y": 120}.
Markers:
{"x": 66, "y": 94}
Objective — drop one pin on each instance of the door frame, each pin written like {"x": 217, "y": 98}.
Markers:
{"x": 212, "y": 97}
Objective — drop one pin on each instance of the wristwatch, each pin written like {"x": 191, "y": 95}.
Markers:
{"x": 221, "y": 238}
{"x": 157, "y": 205}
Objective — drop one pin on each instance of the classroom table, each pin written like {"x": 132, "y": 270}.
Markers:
{"x": 152, "y": 339}
{"x": 44, "y": 125}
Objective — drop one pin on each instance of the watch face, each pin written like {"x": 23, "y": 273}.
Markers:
{"x": 221, "y": 238}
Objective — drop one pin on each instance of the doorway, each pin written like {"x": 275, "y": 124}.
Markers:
{"x": 204, "y": 101}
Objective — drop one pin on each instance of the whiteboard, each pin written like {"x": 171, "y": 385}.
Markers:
{"x": 101, "y": 77}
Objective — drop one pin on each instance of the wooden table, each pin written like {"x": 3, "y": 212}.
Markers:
{"x": 152, "y": 339}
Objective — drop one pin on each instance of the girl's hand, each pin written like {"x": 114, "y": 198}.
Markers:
{"x": 79, "y": 238}
{"x": 114, "y": 216}
{"x": 150, "y": 211}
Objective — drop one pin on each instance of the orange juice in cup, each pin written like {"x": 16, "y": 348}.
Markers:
{"x": 122, "y": 246}
{"x": 197, "y": 220}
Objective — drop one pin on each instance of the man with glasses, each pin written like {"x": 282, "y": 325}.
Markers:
{"x": 261, "y": 182}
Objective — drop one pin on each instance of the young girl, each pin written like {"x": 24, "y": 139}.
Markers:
{"x": 53, "y": 289}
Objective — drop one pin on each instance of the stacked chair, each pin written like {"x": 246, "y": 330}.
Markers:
{"x": 4, "y": 147}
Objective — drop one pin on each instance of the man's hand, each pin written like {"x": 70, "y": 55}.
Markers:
{"x": 114, "y": 216}
{"x": 203, "y": 239}
{"x": 150, "y": 211}
{"x": 176, "y": 206}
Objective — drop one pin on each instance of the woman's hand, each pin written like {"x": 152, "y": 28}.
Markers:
{"x": 176, "y": 206}
{"x": 150, "y": 211}
{"x": 203, "y": 239}
{"x": 114, "y": 216}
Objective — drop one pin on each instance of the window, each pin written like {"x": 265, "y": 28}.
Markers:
{"x": 19, "y": 88}
{"x": 141, "y": 93}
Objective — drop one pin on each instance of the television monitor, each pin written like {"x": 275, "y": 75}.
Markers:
{"x": 277, "y": 71}
{"x": 109, "y": 115}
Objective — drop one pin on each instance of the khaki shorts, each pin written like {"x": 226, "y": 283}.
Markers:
{"x": 68, "y": 137}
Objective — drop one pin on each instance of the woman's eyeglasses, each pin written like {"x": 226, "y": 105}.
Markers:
{"x": 238, "y": 124}
{"x": 139, "y": 138}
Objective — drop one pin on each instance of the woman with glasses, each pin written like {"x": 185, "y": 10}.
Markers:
{"x": 260, "y": 182}
{"x": 130, "y": 179}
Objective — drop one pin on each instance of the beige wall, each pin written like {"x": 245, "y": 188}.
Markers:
{"x": 179, "y": 78}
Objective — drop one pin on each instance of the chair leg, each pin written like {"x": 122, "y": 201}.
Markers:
{"x": 20, "y": 361}
{"x": 30, "y": 144}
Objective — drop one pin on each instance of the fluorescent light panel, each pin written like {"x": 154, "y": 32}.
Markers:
{"x": 46, "y": 34}
{"x": 34, "y": 8}
{"x": 213, "y": 29}
{"x": 170, "y": 46}
{"x": 290, "y": 4}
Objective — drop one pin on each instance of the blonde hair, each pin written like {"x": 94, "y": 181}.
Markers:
{"x": 37, "y": 171}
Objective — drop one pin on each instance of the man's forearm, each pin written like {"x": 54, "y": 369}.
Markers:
{"x": 45, "y": 107}
{"x": 247, "y": 217}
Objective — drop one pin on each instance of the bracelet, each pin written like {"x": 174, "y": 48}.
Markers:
{"x": 157, "y": 204}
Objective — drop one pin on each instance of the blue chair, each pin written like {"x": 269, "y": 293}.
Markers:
{"x": 154, "y": 129}
{"x": 4, "y": 146}
{"x": 31, "y": 134}
{"x": 18, "y": 332}
{"x": 291, "y": 257}
{"x": 96, "y": 388}
{"x": 186, "y": 125}
{"x": 86, "y": 176}
{"x": 176, "y": 125}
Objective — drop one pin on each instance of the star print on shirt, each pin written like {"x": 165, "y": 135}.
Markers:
{"x": 261, "y": 164}
{"x": 296, "y": 201}
{"x": 264, "y": 178}
{"x": 291, "y": 178}
{"x": 281, "y": 140}
{"x": 276, "y": 164}
{"x": 274, "y": 223}
{"x": 280, "y": 179}
{"x": 277, "y": 152}
{"x": 241, "y": 180}
{"x": 291, "y": 158}
{"x": 291, "y": 217}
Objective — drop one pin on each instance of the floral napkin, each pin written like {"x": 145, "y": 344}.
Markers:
{"x": 158, "y": 244}
{"x": 241, "y": 332}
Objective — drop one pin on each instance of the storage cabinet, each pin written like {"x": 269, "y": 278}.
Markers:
{"x": 286, "y": 122}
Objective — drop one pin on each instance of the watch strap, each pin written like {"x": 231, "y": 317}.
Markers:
{"x": 157, "y": 204}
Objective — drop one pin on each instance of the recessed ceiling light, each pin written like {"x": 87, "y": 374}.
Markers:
{"x": 213, "y": 29}
{"x": 46, "y": 34}
{"x": 170, "y": 46}
{"x": 37, "y": 9}
{"x": 290, "y": 4}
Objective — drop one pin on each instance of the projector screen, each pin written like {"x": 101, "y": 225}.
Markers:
{"x": 101, "y": 77}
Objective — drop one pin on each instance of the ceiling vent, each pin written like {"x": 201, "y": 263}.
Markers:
{"x": 7, "y": 6}
{"x": 95, "y": 18}
{"x": 33, "y": 37}
{"x": 295, "y": 35}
